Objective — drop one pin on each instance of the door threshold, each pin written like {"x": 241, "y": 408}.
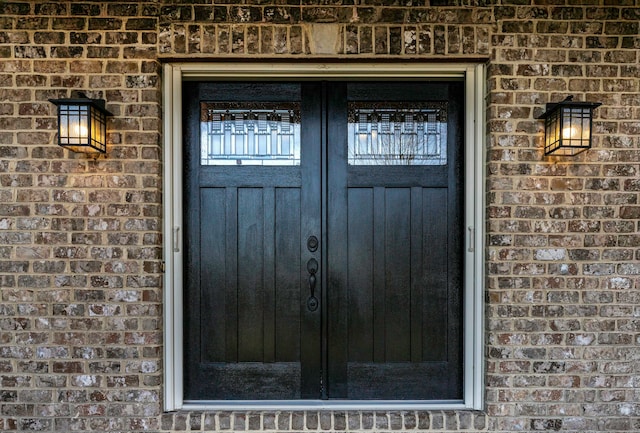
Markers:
{"x": 242, "y": 405}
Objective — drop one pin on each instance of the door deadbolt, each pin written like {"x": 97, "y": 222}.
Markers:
{"x": 312, "y": 244}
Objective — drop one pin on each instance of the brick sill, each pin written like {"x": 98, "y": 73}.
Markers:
{"x": 324, "y": 420}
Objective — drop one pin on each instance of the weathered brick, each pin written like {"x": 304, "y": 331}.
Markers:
{"x": 85, "y": 9}
{"x": 70, "y": 23}
{"x": 109, "y": 23}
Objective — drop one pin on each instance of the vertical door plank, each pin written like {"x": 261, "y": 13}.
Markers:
{"x": 379, "y": 280}
{"x": 336, "y": 308}
{"x": 311, "y": 195}
{"x": 250, "y": 272}
{"x": 212, "y": 274}
{"x": 268, "y": 275}
{"x": 397, "y": 255}
{"x": 360, "y": 274}
{"x": 417, "y": 273}
{"x": 287, "y": 250}
{"x": 231, "y": 286}
{"x": 435, "y": 326}
{"x": 195, "y": 324}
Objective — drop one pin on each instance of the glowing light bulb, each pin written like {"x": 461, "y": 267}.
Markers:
{"x": 80, "y": 130}
{"x": 570, "y": 133}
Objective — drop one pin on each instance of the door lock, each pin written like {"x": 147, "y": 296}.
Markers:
{"x": 312, "y": 244}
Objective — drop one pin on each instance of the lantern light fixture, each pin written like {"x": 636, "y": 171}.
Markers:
{"x": 82, "y": 124}
{"x": 567, "y": 126}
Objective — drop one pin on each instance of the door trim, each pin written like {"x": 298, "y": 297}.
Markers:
{"x": 474, "y": 147}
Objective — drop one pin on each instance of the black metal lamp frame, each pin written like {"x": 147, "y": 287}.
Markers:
{"x": 567, "y": 127}
{"x": 82, "y": 124}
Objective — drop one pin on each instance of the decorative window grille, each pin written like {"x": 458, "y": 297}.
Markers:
{"x": 397, "y": 133}
{"x": 250, "y": 133}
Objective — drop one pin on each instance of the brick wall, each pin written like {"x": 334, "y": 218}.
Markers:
{"x": 80, "y": 240}
{"x": 80, "y": 244}
{"x": 563, "y": 235}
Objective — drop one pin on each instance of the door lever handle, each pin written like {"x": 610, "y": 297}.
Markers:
{"x": 312, "y": 268}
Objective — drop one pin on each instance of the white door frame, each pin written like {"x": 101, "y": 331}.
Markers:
{"x": 474, "y": 78}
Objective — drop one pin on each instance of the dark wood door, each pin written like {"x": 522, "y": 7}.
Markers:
{"x": 395, "y": 257}
{"x": 249, "y": 333}
{"x": 385, "y": 272}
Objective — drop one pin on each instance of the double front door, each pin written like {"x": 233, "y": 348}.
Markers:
{"x": 323, "y": 240}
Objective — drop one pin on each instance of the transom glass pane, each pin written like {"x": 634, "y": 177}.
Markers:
{"x": 248, "y": 133}
{"x": 384, "y": 133}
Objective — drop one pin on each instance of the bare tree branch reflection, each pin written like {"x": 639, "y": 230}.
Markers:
{"x": 397, "y": 133}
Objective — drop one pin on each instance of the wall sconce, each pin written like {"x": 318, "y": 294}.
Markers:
{"x": 567, "y": 127}
{"x": 82, "y": 124}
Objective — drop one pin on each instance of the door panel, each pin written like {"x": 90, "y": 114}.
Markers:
{"x": 397, "y": 292}
{"x": 387, "y": 268}
{"x": 380, "y": 253}
{"x": 251, "y": 331}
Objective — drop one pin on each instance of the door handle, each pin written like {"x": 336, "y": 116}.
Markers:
{"x": 312, "y": 268}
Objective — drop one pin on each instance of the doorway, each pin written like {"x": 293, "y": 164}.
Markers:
{"x": 323, "y": 240}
